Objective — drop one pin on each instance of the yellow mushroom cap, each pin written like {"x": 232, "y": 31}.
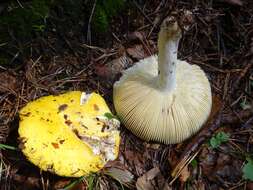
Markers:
{"x": 69, "y": 134}
{"x": 167, "y": 107}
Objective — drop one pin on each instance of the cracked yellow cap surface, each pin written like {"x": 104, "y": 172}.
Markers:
{"x": 71, "y": 134}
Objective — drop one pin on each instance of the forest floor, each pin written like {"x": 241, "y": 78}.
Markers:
{"x": 70, "y": 55}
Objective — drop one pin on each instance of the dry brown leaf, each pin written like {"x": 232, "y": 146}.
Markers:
{"x": 7, "y": 82}
{"x": 199, "y": 185}
{"x": 185, "y": 174}
{"x": 123, "y": 176}
{"x": 61, "y": 184}
{"x": 234, "y": 2}
{"x": 113, "y": 68}
{"x": 145, "y": 182}
{"x": 135, "y": 36}
{"x": 250, "y": 186}
{"x": 137, "y": 52}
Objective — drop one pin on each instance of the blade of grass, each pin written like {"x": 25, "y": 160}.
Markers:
{"x": 73, "y": 183}
{"x": 4, "y": 146}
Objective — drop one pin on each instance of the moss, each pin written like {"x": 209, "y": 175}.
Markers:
{"x": 104, "y": 11}
{"x": 22, "y": 21}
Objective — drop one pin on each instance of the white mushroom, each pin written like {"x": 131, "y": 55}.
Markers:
{"x": 162, "y": 98}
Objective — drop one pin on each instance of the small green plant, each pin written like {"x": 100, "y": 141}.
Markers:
{"x": 110, "y": 116}
{"x": 90, "y": 179}
{"x": 218, "y": 139}
{"x": 248, "y": 170}
{"x": 194, "y": 163}
{"x": 73, "y": 183}
{"x": 39, "y": 28}
{"x": 104, "y": 11}
{"x": 21, "y": 19}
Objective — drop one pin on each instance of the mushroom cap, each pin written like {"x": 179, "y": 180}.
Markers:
{"x": 154, "y": 114}
{"x": 69, "y": 134}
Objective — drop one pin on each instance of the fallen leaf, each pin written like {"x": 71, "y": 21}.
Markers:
{"x": 112, "y": 69}
{"x": 234, "y": 2}
{"x": 145, "y": 182}
{"x": 185, "y": 174}
{"x": 248, "y": 170}
{"x": 135, "y": 36}
{"x": 7, "y": 82}
{"x": 123, "y": 176}
{"x": 67, "y": 184}
{"x": 137, "y": 52}
{"x": 199, "y": 185}
{"x": 250, "y": 186}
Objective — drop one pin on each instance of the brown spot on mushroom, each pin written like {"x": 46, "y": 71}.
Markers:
{"x": 68, "y": 122}
{"x": 65, "y": 116}
{"x": 76, "y": 133}
{"x": 55, "y": 145}
{"x": 103, "y": 128}
{"x": 21, "y": 145}
{"x": 75, "y": 171}
{"x": 26, "y": 114}
{"x": 45, "y": 145}
{"x": 95, "y": 106}
{"x": 84, "y": 126}
{"x": 71, "y": 100}
{"x": 97, "y": 166}
{"x": 62, "y": 141}
{"x": 62, "y": 107}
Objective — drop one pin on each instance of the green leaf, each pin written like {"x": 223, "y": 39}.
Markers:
{"x": 194, "y": 163}
{"x": 248, "y": 170}
{"x": 218, "y": 139}
{"x": 73, "y": 183}
{"x": 110, "y": 116}
{"x": 4, "y": 146}
{"x": 222, "y": 136}
{"x": 104, "y": 12}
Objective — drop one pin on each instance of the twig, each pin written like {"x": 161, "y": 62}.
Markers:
{"x": 243, "y": 73}
{"x": 89, "y": 23}
{"x": 148, "y": 19}
{"x": 236, "y": 118}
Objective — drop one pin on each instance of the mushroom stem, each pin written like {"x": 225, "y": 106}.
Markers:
{"x": 168, "y": 41}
